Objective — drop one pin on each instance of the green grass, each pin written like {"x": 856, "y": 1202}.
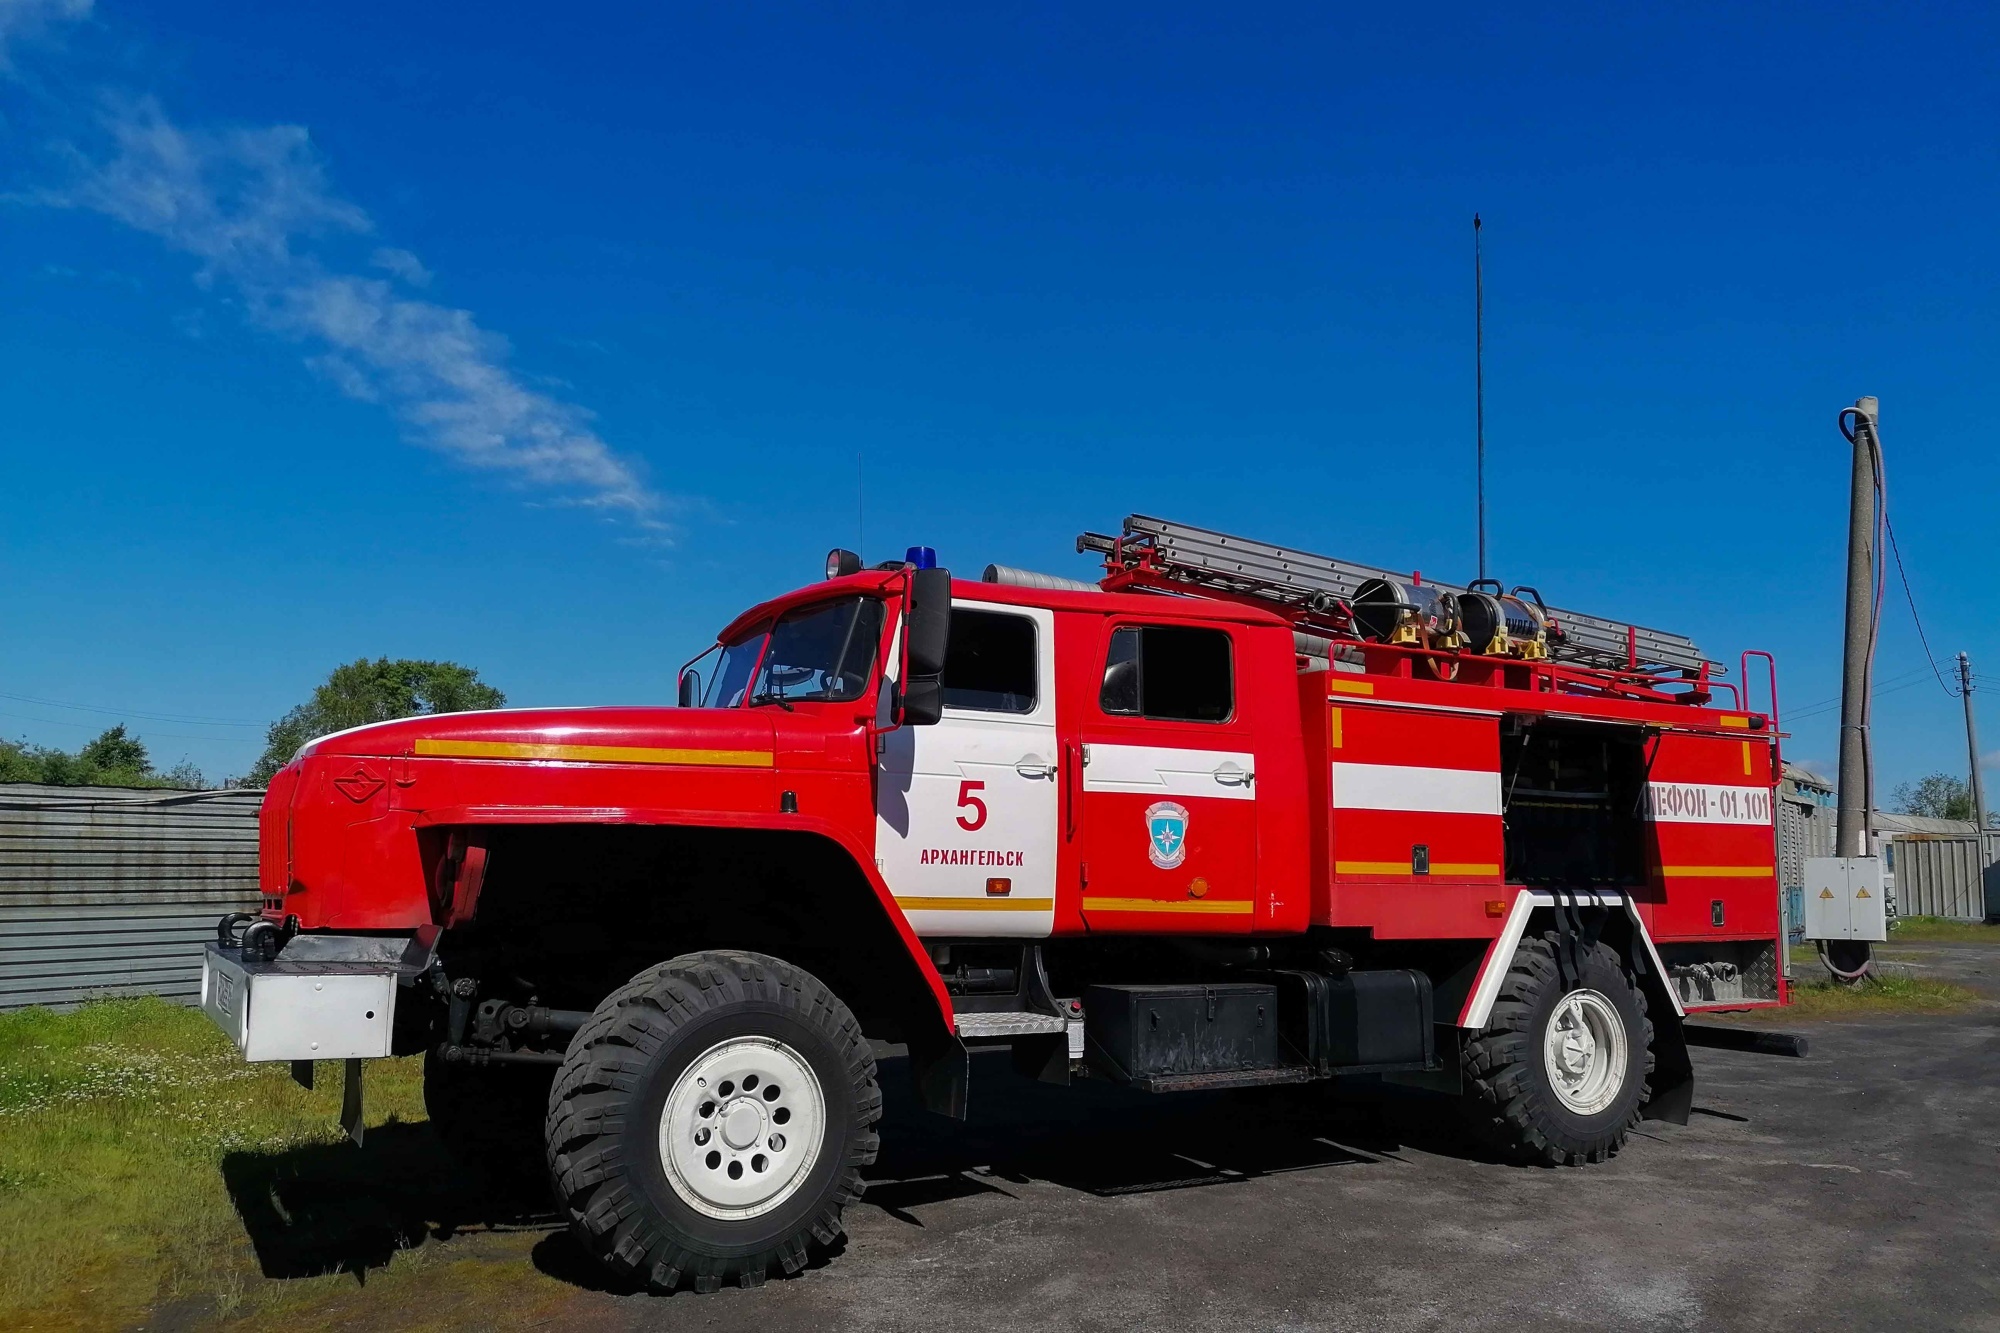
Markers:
{"x": 1943, "y": 928}
{"x": 1884, "y": 994}
{"x": 145, "y": 1169}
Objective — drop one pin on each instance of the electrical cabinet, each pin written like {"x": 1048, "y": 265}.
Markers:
{"x": 1845, "y": 899}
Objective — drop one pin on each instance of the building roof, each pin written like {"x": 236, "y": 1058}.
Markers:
{"x": 1805, "y": 776}
{"x": 1895, "y": 824}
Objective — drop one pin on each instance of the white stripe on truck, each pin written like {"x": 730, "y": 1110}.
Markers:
{"x": 1445, "y": 791}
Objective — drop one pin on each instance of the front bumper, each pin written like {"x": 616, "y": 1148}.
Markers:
{"x": 321, "y": 998}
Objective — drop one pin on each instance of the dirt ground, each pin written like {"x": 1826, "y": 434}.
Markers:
{"x": 1859, "y": 1187}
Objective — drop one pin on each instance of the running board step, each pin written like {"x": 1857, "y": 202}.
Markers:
{"x": 1009, "y": 1023}
{"x": 1224, "y": 1078}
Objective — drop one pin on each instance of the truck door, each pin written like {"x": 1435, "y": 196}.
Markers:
{"x": 965, "y": 815}
{"x": 1169, "y": 817}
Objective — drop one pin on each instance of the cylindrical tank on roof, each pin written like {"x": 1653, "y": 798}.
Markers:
{"x": 1496, "y": 622}
{"x": 1391, "y": 611}
{"x": 1028, "y": 578}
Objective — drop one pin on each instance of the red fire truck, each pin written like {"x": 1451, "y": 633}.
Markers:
{"x": 1234, "y": 815}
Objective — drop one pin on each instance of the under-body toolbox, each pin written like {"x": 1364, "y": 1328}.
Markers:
{"x": 320, "y": 997}
{"x": 1149, "y": 1035}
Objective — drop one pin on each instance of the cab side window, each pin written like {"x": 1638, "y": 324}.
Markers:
{"x": 989, "y": 662}
{"x": 1176, "y": 673}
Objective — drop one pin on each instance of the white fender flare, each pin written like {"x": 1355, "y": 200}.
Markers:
{"x": 1500, "y": 954}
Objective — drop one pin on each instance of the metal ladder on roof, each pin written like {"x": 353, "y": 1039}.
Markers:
{"x": 1315, "y": 585}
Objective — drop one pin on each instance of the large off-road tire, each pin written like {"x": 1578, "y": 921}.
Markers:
{"x": 490, "y": 1119}
{"x": 711, "y": 1119}
{"x": 1559, "y": 1072}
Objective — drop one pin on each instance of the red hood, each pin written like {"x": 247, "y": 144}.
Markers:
{"x": 524, "y": 733}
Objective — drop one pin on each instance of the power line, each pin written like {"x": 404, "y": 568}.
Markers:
{"x": 1910, "y": 597}
{"x": 1821, "y": 705}
{"x": 1798, "y": 714}
{"x": 149, "y": 733}
{"x": 133, "y": 712}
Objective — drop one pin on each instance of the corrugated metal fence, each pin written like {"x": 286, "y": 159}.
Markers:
{"x": 1805, "y": 830}
{"x": 1945, "y": 876}
{"x": 110, "y": 891}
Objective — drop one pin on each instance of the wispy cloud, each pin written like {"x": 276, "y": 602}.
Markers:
{"x": 256, "y": 211}
{"x": 32, "y": 18}
{"x": 402, "y": 264}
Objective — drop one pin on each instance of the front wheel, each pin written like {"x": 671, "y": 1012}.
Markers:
{"x": 1560, "y": 1071}
{"x": 711, "y": 1119}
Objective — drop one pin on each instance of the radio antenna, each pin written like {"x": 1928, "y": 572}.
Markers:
{"x": 1479, "y": 380}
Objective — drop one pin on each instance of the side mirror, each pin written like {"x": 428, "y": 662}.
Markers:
{"x": 927, "y": 628}
{"x": 923, "y": 702}
{"x": 690, "y": 689}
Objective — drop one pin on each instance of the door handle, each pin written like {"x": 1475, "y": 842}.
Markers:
{"x": 1230, "y": 775}
{"x": 1070, "y": 766}
{"x": 1034, "y": 766}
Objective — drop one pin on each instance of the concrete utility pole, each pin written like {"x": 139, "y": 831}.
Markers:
{"x": 1852, "y": 815}
{"x": 1972, "y": 750}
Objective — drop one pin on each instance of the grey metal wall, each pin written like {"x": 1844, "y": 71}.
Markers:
{"x": 1805, "y": 830}
{"x": 1943, "y": 876}
{"x": 110, "y": 891}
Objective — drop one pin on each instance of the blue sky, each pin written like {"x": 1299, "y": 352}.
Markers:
{"x": 545, "y": 341}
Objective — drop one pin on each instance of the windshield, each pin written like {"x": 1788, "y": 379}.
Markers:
{"x": 732, "y": 670}
{"x": 824, "y": 652}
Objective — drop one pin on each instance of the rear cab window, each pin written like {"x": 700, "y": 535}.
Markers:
{"x": 1171, "y": 673}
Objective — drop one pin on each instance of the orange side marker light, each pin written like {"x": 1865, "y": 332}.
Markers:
{"x": 999, "y": 888}
{"x": 1496, "y": 907}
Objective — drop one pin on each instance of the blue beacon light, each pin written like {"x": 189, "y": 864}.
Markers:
{"x": 920, "y": 557}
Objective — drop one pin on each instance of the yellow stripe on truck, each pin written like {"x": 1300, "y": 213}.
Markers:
{"x": 595, "y": 754}
{"x": 1208, "y": 906}
{"x": 1438, "y": 868}
{"x": 976, "y": 904}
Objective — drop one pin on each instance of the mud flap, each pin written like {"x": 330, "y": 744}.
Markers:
{"x": 1673, "y": 1092}
{"x": 1673, "y": 1071}
{"x": 350, "y": 1103}
{"x": 941, "y": 1067}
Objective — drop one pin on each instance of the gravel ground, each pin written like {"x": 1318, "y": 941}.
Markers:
{"x": 1859, "y": 1186}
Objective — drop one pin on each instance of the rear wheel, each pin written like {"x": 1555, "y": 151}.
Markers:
{"x": 1560, "y": 1071}
{"x": 712, "y": 1119}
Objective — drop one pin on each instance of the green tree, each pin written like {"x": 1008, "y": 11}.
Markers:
{"x": 18, "y": 763}
{"x": 379, "y": 691}
{"x": 116, "y": 752}
{"x": 116, "y": 758}
{"x": 1939, "y": 796}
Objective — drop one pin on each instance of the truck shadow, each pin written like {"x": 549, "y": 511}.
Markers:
{"x": 334, "y": 1208}
{"x": 1107, "y": 1140}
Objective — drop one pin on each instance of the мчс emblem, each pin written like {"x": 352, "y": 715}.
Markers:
{"x": 1166, "y": 834}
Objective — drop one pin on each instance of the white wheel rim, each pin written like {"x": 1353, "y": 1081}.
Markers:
{"x": 742, "y": 1128}
{"x": 1584, "y": 1049}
